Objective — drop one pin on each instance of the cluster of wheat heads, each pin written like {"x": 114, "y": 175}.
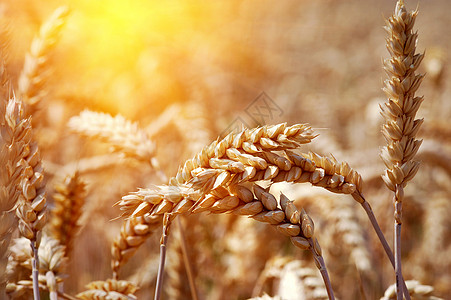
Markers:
{"x": 217, "y": 253}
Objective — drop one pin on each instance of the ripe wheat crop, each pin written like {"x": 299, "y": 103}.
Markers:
{"x": 224, "y": 150}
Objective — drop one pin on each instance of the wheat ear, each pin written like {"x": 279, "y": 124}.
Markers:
{"x": 68, "y": 200}
{"x": 35, "y": 70}
{"x": 399, "y": 112}
{"x": 124, "y": 136}
{"x": 52, "y": 263}
{"x": 134, "y": 232}
{"x": 31, "y": 209}
{"x": 14, "y": 138}
{"x": 109, "y": 289}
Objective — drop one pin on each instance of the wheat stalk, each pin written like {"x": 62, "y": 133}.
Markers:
{"x": 35, "y": 70}
{"x": 399, "y": 112}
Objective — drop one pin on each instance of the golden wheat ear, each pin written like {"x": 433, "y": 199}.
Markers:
{"x": 399, "y": 112}
{"x": 34, "y": 74}
{"x": 68, "y": 199}
{"x": 122, "y": 135}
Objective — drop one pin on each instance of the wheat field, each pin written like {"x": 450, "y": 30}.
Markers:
{"x": 225, "y": 150}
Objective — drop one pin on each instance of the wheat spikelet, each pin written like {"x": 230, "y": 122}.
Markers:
{"x": 109, "y": 289}
{"x": 34, "y": 74}
{"x": 273, "y": 137}
{"x": 68, "y": 202}
{"x": 124, "y": 136}
{"x": 134, "y": 232}
{"x": 416, "y": 290}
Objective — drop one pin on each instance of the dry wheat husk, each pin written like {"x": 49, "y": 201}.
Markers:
{"x": 34, "y": 75}
{"x": 109, "y": 289}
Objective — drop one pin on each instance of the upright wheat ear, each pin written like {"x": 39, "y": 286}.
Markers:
{"x": 34, "y": 73}
{"x": 399, "y": 112}
{"x": 68, "y": 200}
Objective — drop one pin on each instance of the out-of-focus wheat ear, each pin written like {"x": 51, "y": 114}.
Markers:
{"x": 123, "y": 136}
{"x": 35, "y": 71}
{"x": 134, "y": 232}
{"x": 399, "y": 112}
{"x": 68, "y": 199}
{"x": 266, "y": 297}
{"x": 290, "y": 277}
{"x": 416, "y": 290}
{"x": 193, "y": 126}
{"x": 109, "y": 289}
{"x": 52, "y": 260}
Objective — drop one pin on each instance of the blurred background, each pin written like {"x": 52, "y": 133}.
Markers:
{"x": 208, "y": 63}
